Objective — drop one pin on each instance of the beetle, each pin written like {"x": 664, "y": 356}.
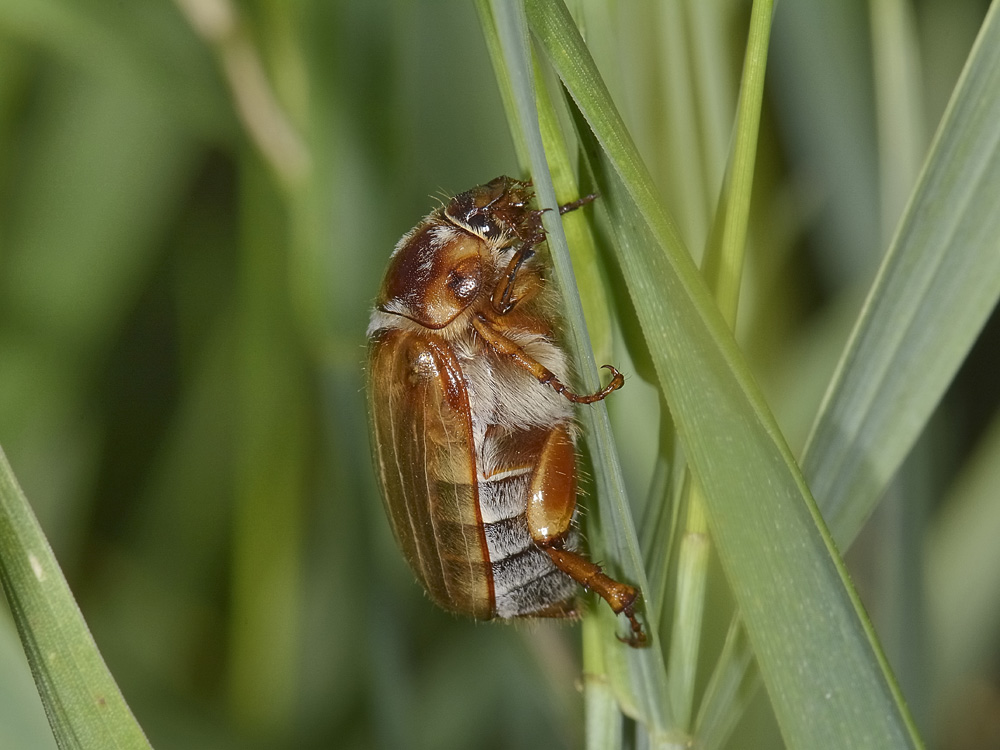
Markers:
{"x": 472, "y": 424}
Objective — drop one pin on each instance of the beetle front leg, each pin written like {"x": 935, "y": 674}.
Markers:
{"x": 565, "y": 208}
{"x": 505, "y": 347}
{"x": 503, "y": 299}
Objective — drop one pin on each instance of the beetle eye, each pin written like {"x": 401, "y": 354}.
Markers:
{"x": 484, "y": 225}
{"x": 482, "y": 211}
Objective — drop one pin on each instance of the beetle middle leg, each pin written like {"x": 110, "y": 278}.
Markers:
{"x": 551, "y": 502}
{"x": 505, "y": 347}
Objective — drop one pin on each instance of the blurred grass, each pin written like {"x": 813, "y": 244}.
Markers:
{"x": 181, "y": 330}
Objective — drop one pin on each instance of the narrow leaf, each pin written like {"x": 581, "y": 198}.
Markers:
{"x": 646, "y": 673}
{"x": 723, "y": 270}
{"x": 83, "y": 704}
{"x": 937, "y": 286}
{"x": 826, "y": 676}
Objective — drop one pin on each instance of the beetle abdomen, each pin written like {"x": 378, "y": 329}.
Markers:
{"x": 521, "y": 578}
{"x": 525, "y": 582}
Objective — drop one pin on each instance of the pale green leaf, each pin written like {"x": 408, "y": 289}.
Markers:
{"x": 826, "y": 676}
{"x": 937, "y": 286}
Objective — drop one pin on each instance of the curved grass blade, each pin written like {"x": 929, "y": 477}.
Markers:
{"x": 926, "y": 307}
{"x": 827, "y": 678}
{"x": 934, "y": 291}
{"x": 83, "y": 704}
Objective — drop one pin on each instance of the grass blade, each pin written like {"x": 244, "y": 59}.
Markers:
{"x": 937, "y": 286}
{"x": 890, "y": 441}
{"x": 646, "y": 673}
{"x": 826, "y": 676}
{"x": 723, "y": 270}
{"x": 83, "y": 704}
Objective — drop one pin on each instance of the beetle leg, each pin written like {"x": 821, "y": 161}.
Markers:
{"x": 552, "y": 492}
{"x": 578, "y": 203}
{"x": 503, "y": 299}
{"x": 620, "y": 596}
{"x": 504, "y": 346}
{"x": 551, "y": 502}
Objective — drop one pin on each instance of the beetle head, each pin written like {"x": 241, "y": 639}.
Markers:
{"x": 496, "y": 211}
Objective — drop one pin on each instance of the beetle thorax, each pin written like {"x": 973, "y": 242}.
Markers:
{"x": 441, "y": 274}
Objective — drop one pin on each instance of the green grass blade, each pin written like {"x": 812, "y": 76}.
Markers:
{"x": 937, "y": 286}
{"x": 890, "y": 441}
{"x": 82, "y": 701}
{"x": 646, "y": 676}
{"x": 901, "y": 139}
{"x": 826, "y": 676}
{"x": 661, "y": 513}
{"x": 603, "y": 715}
{"x": 689, "y": 606}
{"x": 723, "y": 269}
{"x": 490, "y": 35}
{"x": 587, "y": 268}
{"x": 729, "y": 689}
{"x": 724, "y": 256}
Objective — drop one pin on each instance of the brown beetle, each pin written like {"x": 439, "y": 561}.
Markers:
{"x": 472, "y": 425}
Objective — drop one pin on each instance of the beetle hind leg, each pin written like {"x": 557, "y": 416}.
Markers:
{"x": 620, "y": 596}
{"x": 551, "y": 503}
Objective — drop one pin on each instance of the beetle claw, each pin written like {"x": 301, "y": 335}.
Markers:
{"x": 637, "y": 638}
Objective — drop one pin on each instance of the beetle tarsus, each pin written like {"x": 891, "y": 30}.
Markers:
{"x": 617, "y": 381}
{"x": 620, "y": 596}
{"x": 578, "y": 203}
{"x": 637, "y": 638}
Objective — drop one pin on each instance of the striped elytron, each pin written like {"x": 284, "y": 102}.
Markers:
{"x": 473, "y": 430}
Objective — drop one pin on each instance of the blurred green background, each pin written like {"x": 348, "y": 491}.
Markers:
{"x": 197, "y": 200}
